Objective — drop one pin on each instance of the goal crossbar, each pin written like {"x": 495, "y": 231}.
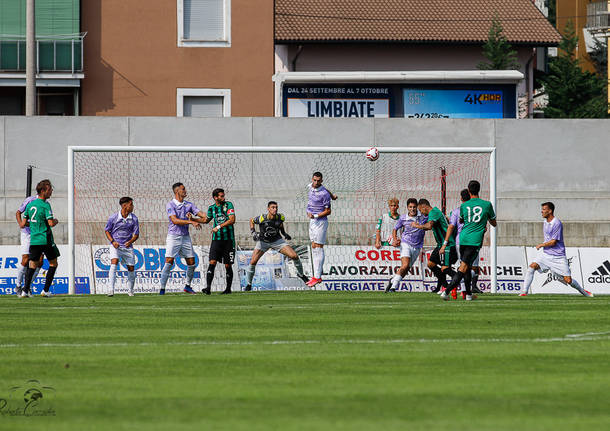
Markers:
{"x": 274, "y": 149}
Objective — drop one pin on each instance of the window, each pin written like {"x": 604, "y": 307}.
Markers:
{"x": 204, "y": 23}
{"x": 203, "y": 102}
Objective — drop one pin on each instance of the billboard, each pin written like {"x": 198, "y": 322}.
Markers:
{"x": 453, "y": 103}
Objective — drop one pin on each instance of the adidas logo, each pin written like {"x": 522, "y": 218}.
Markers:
{"x": 602, "y": 275}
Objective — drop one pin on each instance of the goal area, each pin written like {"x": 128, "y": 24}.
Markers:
{"x": 251, "y": 177}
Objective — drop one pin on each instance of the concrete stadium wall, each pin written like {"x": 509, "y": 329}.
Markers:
{"x": 565, "y": 161}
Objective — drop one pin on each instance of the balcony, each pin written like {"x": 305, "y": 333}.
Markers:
{"x": 597, "y": 17}
{"x": 60, "y": 53}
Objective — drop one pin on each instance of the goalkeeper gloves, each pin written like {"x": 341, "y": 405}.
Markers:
{"x": 255, "y": 235}
{"x": 288, "y": 237}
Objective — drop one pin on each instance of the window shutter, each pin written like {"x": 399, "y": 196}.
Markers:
{"x": 204, "y": 20}
{"x": 203, "y": 106}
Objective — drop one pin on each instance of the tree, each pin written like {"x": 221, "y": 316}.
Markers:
{"x": 497, "y": 50}
{"x": 572, "y": 92}
{"x": 599, "y": 56}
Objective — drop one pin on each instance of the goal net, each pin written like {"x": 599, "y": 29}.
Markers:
{"x": 252, "y": 176}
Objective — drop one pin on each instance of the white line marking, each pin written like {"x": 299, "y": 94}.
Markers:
{"x": 601, "y": 336}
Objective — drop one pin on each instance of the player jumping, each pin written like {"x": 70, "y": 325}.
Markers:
{"x": 552, "y": 253}
{"x": 39, "y": 215}
{"x": 386, "y": 223}
{"x": 178, "y": 240}
{"x": 475, "y": 213}
{"x": 271, "y": 225}
{"x": 122, "y": 230}
{"x": 25, "y": 247}
{"x": 439, "y": 263}
{"x": 318, "y": 210}
{"x": 411, "y": 241}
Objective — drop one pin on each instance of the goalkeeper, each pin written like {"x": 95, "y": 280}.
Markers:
{"x": 271, "y": 225}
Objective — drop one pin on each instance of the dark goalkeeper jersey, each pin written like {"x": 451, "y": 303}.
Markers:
{"x": 269, "y": 228}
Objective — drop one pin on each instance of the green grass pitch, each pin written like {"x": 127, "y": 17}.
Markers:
{"x": 308, "y": 360}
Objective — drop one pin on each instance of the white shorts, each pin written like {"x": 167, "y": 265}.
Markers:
{"x": 275, "y": 245}
{"x": 557, "y": 264}
{"x": 25, "y": 243}
{"x": 317, "y": 230}
{"x": 408, "y": 251}
{"x": 125, "y": 255}
{"x": 179, "y": 245}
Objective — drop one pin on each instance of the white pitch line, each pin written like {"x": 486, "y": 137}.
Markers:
{"x": 570, "y": 337}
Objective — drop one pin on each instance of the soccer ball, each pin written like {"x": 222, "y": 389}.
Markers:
{"x": 372, "y": 154}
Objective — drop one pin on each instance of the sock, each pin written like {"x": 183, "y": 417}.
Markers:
{"x": 49, "y": 279}
{"x": 441, "y": 281}
{"x": 209, "y": 276}
{"x": 190, "y": 271}
{"x": 475, "y": 280}
{"x": 165, "y": 274}
{"x": 299, "y": 266}
{"x": 316, "y": 257}
{"x": 396, "y": 281}
{"x": 250, "y": 274}
{"x": 112, "y": 276}
{"x": 131, "y": 276}
{"x": 468, "y": 282}
{"x": 321, "y": 264}
{"x": 29, "y": 272}
{"x": 20, "y": 275}
{"x": 229, "y": 271}
{"x": 448, "y": 272}
{"x": 578, "y": 287}
{"x": 455, "y": 281}
{"x": 529, "y": 277}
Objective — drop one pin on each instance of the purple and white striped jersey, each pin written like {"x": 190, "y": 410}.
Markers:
{"x": 411, "y": 235}
{"x": 318, "y": 200}
{"x": 180, "y": 210}
{"x": 554, "y": 230}
{"x": 122, "y": 229}
{"x": 22, "y": 208}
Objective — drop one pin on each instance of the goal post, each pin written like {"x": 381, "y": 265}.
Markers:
{"x": 99, "y": 175}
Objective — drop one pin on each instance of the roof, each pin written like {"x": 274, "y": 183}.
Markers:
{"x": 444, "y": 21}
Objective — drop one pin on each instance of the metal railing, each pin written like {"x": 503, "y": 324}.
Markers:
{"x": 57, "y": 53}
{"x": 597, "y": 15}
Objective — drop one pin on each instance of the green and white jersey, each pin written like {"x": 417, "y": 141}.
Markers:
{"x": 475, "y": 213}
{"x": 220, "y": 214}
{"x": 385, "y": 225}
{"x": 38, "y": 213}
{"x": 439, "y": 228}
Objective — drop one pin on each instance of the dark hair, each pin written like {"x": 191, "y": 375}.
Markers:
{"x": 549, "y": 205}
{"x": 42, "y": 186}
{"x": 271, "y": 203}
{"x": 423, "y": 202}
{"x": 411, "y": 201}
{"x": 465, "y": 195}
{"x": 474, "y": 187}
{"x": 216, "y": 192}
{"x": 175, "y": 186}
{"x": 124, "y": 200}
{"x": 317, "y": 174}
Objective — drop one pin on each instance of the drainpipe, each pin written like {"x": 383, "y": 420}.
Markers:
{"x": 530, "y": 96}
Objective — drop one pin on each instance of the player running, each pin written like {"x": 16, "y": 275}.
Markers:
{"x": 122, "y": 230}
{"x": 222, "y": 248}
{"x": 411, "y": 241}
{"x": 271, "y": 225}
{"x": 178, "y": 242}
{"x": 318, "y": 210}
{"x": 385, "y": 224}
{"x": 454, "y": 223}
{"x": 39, "y": 215}
{"x": 475, "y": 213}
{"x": 552, "y": 253}
{"x": 439, "y": 263}
{"x": 25, "y": 247}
